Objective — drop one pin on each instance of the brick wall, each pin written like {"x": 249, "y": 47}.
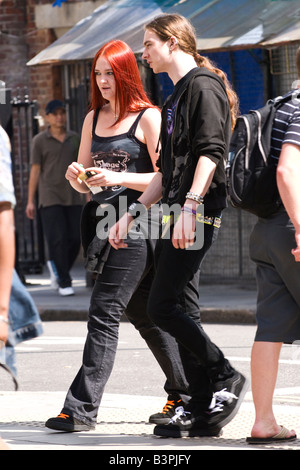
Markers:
{"x": 20, "y": 41}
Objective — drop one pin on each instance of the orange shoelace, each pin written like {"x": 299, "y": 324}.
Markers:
{"x": 169, "y": 405}
{"x": 63, "y": 416}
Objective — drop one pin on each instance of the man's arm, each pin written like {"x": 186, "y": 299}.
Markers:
{"x": 184, "y": 229}
{"x": 288, "y": 181}
{"x": 32, "y": 187}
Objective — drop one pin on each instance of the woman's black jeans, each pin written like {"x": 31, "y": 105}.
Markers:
{"x": 174, "y": 307}
{"x": 123, "y": 286}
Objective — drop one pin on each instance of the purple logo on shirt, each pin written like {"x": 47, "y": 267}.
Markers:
{"x": 170, "y": 118}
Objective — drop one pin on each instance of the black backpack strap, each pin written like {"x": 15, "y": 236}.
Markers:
{"x": 280, "y": 100}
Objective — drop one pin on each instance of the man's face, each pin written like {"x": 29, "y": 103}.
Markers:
{"x": 156, "y": 52}
{"x": 57, "y": 119}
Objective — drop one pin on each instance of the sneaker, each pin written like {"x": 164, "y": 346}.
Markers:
{"x": 227, "y": 400}
{"x": 169, "y": 410}
{"x": 66, "y": 291}
{"x": 184, "y": 424}
{"x": 67, "y": 423}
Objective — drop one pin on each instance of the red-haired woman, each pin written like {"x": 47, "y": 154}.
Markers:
{"x": 119, "y": 140}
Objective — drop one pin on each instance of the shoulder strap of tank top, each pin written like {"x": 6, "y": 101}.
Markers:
{"x": 133, "y": 128}
{"x": 95, "y": 119}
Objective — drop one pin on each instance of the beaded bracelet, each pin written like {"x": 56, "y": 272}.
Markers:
{"x": 195, "y": 197}
{"x": 3, "y": 319}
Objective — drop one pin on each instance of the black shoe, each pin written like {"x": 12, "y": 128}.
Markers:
{"x": 184, "y": 424}
{"x": 169, "y": 410}
{"x": 227, "y": 399}
{"x": 64, "y": 422}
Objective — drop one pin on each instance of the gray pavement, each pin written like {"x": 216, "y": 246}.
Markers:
{"x": 123, "y": 430}
{"x": 229, "y": 303}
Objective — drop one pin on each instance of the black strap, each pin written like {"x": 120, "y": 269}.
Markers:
{"x": 133, "y": 128}
{"x": 279, "y": 101}
{"x": 4, "y": 366}
{"x": 95, "y": 119}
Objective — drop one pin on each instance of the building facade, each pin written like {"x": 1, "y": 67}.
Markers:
{"x": 30, "y": 26}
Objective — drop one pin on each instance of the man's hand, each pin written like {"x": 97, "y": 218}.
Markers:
{"x": 184, "y": 229}
{"x": 30, "y": 210}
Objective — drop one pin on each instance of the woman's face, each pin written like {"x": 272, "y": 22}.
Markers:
{"x": 105, "y": 78}
{"x": 156, "y": 52}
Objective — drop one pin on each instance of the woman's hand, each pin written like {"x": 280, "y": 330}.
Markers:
{"x": 119, "y": 232}
{"x": 73, "y": 171}
{"x": 104, "y": 177}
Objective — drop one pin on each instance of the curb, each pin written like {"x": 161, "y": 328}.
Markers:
{"x": 208, "y": 315}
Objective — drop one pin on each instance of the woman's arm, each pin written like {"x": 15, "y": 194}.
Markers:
{"x": 7, "y": 261}
{"x": 84, "y": 156}
{"x": 152, "y": 194}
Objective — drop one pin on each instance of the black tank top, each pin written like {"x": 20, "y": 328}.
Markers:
{"x": 122, "y": 152}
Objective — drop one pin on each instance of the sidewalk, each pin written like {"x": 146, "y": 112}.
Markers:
{"x": 229, "y": 303}
{"x": 124, "y": 430}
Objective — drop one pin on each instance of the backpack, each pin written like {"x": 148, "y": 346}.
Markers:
{"x": 251, "y": 173}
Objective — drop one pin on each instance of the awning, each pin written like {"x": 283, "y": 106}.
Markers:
{"x": 219, "y": 24}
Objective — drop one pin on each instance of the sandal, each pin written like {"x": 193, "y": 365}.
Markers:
{"x": 280, "y": 437}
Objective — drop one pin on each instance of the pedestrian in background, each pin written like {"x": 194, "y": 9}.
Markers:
{"x": 60, "y": 206}
{"x": 197, "y": 121}
{"x": 19, "y": 318}
{"x": 275, "y": 248}
{"x": 118, "y": 144}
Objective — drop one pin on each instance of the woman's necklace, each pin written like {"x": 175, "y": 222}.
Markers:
{"x": 115, "y": 115}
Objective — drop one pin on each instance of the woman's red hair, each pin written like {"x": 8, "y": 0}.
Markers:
{"x": 130, "y": 94}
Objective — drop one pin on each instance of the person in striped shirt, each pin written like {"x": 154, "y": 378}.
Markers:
{"x": 275, "y": 248}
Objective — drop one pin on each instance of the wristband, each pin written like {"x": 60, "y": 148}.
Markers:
{"x": 136, "y": 209}
{"x": 188, "y": 210}
{"x": 195, "y": 197}
{"x": 3, "y": 319}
